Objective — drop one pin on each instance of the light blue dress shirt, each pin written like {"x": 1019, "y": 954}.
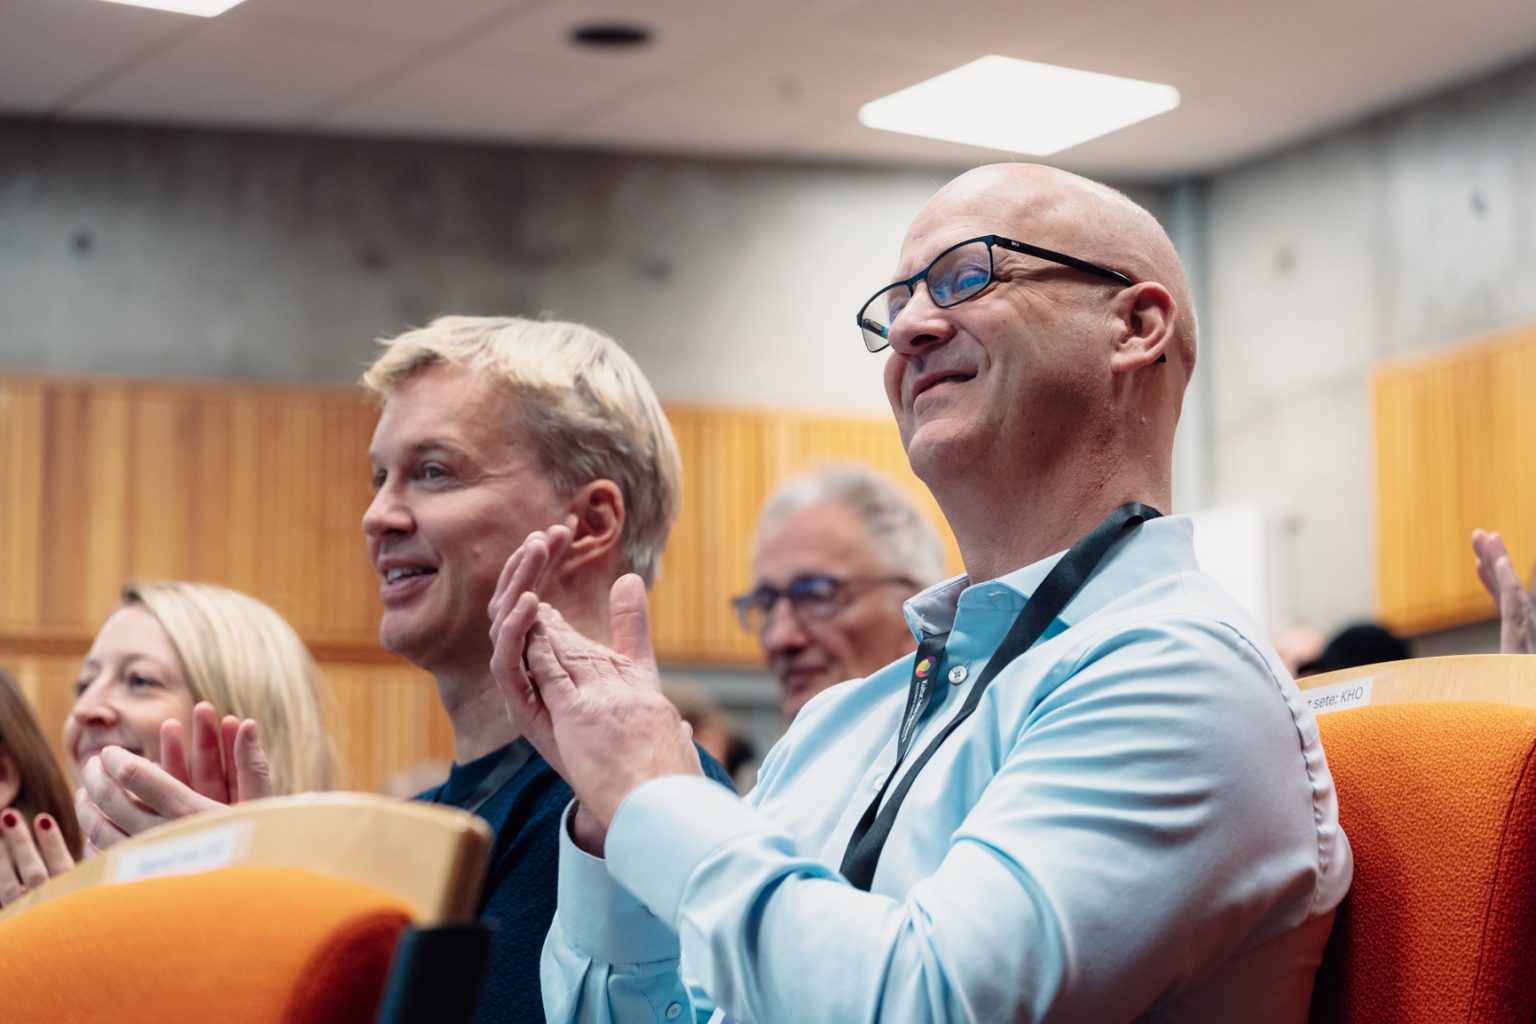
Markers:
{"x": 1136, "y": 824}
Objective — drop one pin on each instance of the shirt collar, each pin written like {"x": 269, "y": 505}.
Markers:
{"x": 1161, "y": 547}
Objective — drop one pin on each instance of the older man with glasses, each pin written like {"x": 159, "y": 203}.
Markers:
{"x": 838, "y": 552}
{"x": 1092, "y": 794}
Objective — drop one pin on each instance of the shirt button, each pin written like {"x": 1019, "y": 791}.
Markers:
{"x": 673, "y": 1011}
{"x": 958, "y": 673}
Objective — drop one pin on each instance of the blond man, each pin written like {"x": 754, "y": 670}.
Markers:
{"x": 489, "y": 428}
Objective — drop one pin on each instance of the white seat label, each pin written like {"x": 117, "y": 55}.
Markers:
{"x": 1353, "y": 693}
{"x": 215, "y": 848}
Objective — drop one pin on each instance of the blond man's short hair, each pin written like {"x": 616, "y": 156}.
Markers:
{"x": 581, "y": 403}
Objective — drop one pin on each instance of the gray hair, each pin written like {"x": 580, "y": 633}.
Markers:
{"x": 902, "y": 536}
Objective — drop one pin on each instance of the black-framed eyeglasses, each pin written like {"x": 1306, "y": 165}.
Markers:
{"x": 814, "y": 598}
{"x": 956, "y": 275}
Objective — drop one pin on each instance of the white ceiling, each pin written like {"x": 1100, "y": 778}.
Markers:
{"x": 760, "y": 78}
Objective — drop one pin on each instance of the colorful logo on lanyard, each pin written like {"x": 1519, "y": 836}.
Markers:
{"x": 924, "y": 667}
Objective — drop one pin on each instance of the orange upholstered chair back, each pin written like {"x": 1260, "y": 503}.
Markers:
{"x": 1439, "y": 802}
{"x": 240, "y": 945}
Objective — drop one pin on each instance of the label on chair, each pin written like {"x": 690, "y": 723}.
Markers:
{"x": 1354, "y": 693}
{"x": 185, "y": 855}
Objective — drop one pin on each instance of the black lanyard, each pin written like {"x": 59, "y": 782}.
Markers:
{"x": 1058, "y": 588}
{"x": 517, "y": 753}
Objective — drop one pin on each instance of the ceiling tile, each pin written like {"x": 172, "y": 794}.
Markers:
{"x": 974, "y": 26}
{"x": 238, "y": 74}
{"x": 684, "y": 32}
{"x": 50, "y": 48}
{"x": 746, "y": 99}
{"x": 459, "y": 99}
{"x": 409, "y": 24}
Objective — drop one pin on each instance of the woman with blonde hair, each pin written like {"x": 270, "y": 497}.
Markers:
{"x": 173, "y": 659}
{"x": 206, "y": 643}
{"x": 33, "y": 793}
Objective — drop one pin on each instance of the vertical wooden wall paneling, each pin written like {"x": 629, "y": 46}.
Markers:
{"x": 1517, "y": 393}
{"x": 735, "y": 491}
{"x": 1388, "y": 427}
{"x": 350, "y": 596}
{"x": 667, "y": 598}
{"x": 67, "y": 497}
{"x": 106, "y": 485}
{"x": 21, "y": 510}
{"x": 1478, "y": 487}
{"x": 159, "y": 510}
{"x": 242, "y": 511}
{"x": 209, "y": 452}
{"x": 1442, "y": 438}
{"x": 1454, "y": 451}
{"x": 1511, "y": 448}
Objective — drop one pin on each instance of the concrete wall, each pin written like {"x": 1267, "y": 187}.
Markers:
{"x": 155, "y": 252}
{"x": 190, "y": 253}
{"x": 1414, "y": 229}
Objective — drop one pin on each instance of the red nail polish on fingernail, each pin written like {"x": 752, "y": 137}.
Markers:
{"x": 9, "y": 817}
{"x": 45, "y": 823}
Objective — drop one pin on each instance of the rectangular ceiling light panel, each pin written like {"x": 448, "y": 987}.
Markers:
{"x": 1018, "y": 106}
{"x": 201, "y": 8}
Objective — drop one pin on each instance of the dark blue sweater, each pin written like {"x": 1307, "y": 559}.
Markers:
{"x": 518, "y": 901}
{"x": 520, "y": 884}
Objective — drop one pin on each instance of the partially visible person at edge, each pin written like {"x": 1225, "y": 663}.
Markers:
{"x": 171, "y": 660}
{"x": 35, "y": 797}
{"x": 1517, "y": 614}
{"x": 838, "y": 553}
{"x": 1134, "y": 821}
{"x": 1361, "y": 643}
{"x": 1299, "y": 644}
{"x": 492, "y": 426}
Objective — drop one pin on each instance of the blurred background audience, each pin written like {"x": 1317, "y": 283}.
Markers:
{"x": 1363, "y": 643}
{"x": 714, "y": 731}
{"x": 1298, "y": 645}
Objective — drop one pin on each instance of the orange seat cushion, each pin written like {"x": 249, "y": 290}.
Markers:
{"x": 1439, "y": 802}
{"x": 239, "y": 945}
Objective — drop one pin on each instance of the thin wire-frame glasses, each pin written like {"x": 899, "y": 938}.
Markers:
{"x": 814, "y": 598}
{"x": 956, "y": 275}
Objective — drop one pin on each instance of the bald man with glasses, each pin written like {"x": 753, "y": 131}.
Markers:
{"x": 837, "y": 554}
{"x": 1092, "y": 794}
